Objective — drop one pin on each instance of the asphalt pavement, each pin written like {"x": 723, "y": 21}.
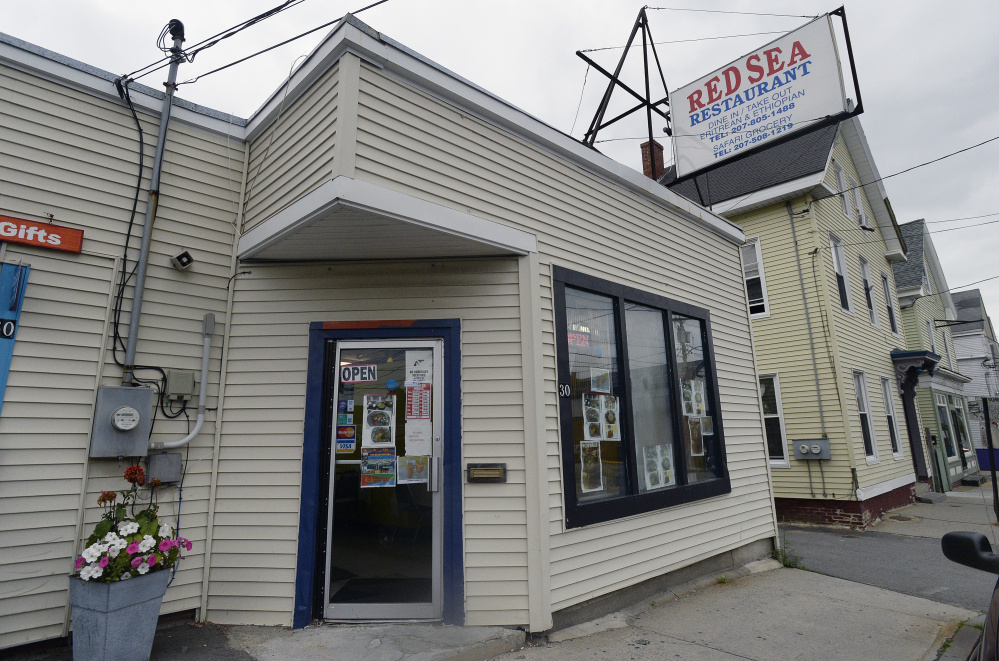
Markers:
{"x": 902, "y": 552}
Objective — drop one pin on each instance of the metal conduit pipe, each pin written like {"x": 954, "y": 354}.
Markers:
{"x": 177, "y": 32}
{"x": 208, "y": 329}
{"x": 808, "y": 322}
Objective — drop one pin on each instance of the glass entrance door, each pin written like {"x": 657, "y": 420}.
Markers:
{"x": 384, "y": 545}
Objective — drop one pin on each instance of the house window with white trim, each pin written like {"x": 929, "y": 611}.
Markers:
{"x": 950, "y": 354}
{"x": 864, "y": 409}
{"x": 890, "y": 414}
{"x": 865, "y": 274}
{"x": 839, "y": 265}
{"x": 858, "y": 205}
{"x": 933, "y": 338}
{"x": 927, "y": 285}
{"x": 841, "y": 188}
{"x": 944, "y": 419}
{"x": 888, "y": 304}
{"x": 756, "y": 284}
{"x": 773, "y": 419}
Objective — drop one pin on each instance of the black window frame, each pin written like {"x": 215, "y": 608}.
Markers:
{"x": 634, "y": 502}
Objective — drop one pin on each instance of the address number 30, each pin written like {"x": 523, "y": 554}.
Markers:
{"x": 564, "y": 390}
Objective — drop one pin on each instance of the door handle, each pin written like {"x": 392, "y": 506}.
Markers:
{"x": 433, "y": 483}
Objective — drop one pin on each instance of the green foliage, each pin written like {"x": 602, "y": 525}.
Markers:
{"x": 724, "y": 579}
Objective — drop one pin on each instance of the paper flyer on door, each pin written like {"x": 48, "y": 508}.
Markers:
{"x": 413, "y": 469}
{"x": 418, "y": 437}
{"x": 377, "y": 467}
{"x": 378, "y": 430}
{"x": 419, "y": 366}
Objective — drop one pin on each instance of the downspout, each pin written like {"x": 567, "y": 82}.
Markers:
{"x": 207, "y": 330}
{"x": 808, "y": 322}
{"x": 177, "y": 32}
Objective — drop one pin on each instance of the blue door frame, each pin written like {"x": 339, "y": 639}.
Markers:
{"x": 315, "y": 480}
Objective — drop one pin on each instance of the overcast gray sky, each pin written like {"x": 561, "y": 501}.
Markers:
{"x": 927, "y": 73}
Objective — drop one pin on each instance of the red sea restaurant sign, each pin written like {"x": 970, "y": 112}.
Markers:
{"x": 40, "y": 235}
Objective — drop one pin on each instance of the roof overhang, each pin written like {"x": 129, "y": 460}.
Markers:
{"x": 346, "y": 219}
{"x": 813, "y": 184}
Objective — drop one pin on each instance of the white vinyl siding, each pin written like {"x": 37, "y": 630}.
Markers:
{"x": 756, "y": 283}
{"x": 865, "y": 280}
{"x": 886, "y": 393}
{"x": 773, "y": 420}
{"x": 842, "y": 275}
{"x": 864, "y": 411}
{"x": 410, "y": 141}
{"x": 73, "y": 154}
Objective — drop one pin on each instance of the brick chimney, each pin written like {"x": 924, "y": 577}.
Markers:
{"x": 653, "y": 169}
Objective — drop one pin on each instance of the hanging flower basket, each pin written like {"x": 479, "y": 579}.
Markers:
{"x": 123, "y": 574}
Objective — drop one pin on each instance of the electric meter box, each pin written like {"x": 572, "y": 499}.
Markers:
{"x": 123, "y": 418}
{"x": 816, "y": 448}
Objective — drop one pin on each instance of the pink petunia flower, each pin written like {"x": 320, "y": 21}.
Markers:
{"x": 104, "y": 562}
{"x": 80, "y": 562}
{"x": 151, "y": 559}
{"x": 136, "y": 561}
{"x": 132, "y": 548}
{"x": 186, "y": 543}
{"x": 165, "y": 545}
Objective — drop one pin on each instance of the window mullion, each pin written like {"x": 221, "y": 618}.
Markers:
{"x": 679, "y": 452}
{"x": 628, "y": 437}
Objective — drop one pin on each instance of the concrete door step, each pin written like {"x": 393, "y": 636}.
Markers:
{"x": 931, "y": 497}
{"x": 974, "y": 480}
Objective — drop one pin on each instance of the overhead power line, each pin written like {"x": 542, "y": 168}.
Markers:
{"x": 278, "y": 45}
{"x": 721, "y": 11}
{"x": 685, "y": 41}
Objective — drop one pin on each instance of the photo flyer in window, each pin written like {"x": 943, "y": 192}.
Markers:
{"x": 600, "y": 380}
{"x": 696, "y": 438}
{"x": 377, "y": 467}
{"x": 707, "y": 426}
{"x": 378, "y": 430}
{"x": 592, "y": 415}
{"x": 611, "y": 418}
{"x": 699, "y": 399}
{"x": 413, "y": 470}
{"x": 658, "y": 466}
{"x": 592, "y": 468}
{"x": 687, "y": 396}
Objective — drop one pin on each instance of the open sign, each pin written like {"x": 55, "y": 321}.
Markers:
{"x": 358, "y": 373}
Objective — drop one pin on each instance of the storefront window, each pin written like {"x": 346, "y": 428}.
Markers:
{"x": 600, "y": 465}
{"x": 638, "y": 401}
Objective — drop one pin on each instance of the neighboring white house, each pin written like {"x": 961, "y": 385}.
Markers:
{"x": 978, "y": 355}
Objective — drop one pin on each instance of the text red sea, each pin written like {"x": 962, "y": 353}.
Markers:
{"x": 757, "y": 100}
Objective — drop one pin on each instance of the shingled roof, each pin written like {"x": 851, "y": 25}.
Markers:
{"x": 909, "y": 274}
{"x": 799, "y": 157}
{"x": 969, "y": 308}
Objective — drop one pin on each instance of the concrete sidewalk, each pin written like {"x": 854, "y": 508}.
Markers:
{"x": 780, "y": 614}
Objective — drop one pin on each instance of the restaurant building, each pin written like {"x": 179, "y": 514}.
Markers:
{"x": 463, "y": 368}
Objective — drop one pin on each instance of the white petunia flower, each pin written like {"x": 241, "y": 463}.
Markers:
{"x": 97, "y": 571}
{"x": 128, "y": 527}
{"x": 86, "y": 573}
{"x": 92, "y": 553}
{"x": 111, "y": 538}
{"x": 113, "y": 552}
{"x": 165, "y": 530}
{"x": 146, "y": 544}
{"x": 126, "y": 576}
{"x": 143, "y": 568}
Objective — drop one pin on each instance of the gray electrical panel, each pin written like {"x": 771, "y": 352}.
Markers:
{"x": 808, "y": 449}
{"x": 179, "y": 385}
{"x": 165, "y": 466}
{"x": 123, "y": 419}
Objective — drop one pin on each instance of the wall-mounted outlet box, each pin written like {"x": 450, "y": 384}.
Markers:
{"x": 166, "y": 466}
{"x": 179, "y": 385}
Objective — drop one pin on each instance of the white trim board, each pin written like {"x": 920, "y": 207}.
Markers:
{"x": 866, "y": 493}
{"x": 366, "y": 196}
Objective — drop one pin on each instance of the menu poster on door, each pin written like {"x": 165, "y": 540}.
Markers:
{"x": 377, "y": 467}
{"x": 413, "y": 470}
{"x": 378, "y": 430}
{"x": 418, "y": 401}
{"x": 418, "y": 433}
{"x": 658, "y": 466}
{"x": 419, "y": 366}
